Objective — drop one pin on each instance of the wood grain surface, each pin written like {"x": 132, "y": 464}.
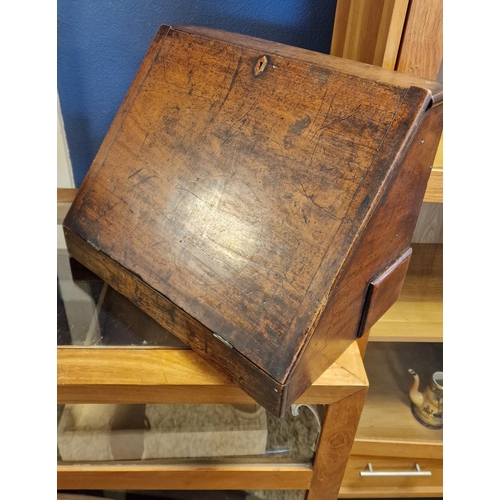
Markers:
{"x": 232, "y": 190}
{"x": 388, "y": 236}
{"x": 339, "y": 428}
{"x": 183, "y": 477}
{"x": 421, "y": 50}
{"x": 139, "y": 376}
{"x": 369, "y": 31}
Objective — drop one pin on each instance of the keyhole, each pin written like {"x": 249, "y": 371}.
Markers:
{"x": 260, "y": 66}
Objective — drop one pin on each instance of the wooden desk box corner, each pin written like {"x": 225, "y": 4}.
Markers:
{"x": 258, "y": 201}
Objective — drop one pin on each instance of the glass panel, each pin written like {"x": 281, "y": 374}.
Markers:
{"x": 177, "y": 433}
{"x": 91, "y": 313}
{"x": 389, "y": 413}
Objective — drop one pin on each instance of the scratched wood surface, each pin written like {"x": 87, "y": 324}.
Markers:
{"x": 385, "y": 239}
{"x": 234, "y": 183}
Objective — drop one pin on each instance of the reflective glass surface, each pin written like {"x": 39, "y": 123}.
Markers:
{"x": 91, "y": 313}
{"x": 177, "y": 433}
{"x": 398, "y": 407}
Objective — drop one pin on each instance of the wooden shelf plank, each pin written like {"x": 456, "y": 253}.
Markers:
{"x": 130, "y": 376}
{"x": 184, "y": 477}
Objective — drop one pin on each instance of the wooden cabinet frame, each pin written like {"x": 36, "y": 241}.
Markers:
{"x": 139, "y": 376}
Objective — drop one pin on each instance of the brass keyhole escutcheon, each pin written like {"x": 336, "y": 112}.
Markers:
{"x": 260, "y": 66}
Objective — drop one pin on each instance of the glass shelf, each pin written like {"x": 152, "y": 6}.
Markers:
{"x": 183, "y": 433}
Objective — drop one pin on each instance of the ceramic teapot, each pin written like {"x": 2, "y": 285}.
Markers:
{"x": 427, "y": 407}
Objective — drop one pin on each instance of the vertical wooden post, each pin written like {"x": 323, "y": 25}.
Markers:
{"x": 405, "y": 35}
{"x": 421, "y": 50}
{"x": 337, "y": 436}
{"x": 369, "y": 30}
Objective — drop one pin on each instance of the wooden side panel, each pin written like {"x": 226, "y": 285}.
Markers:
{"x": 391, "y": 30}
{"x": 383, "y": 292}
{"x": 389, "y": 233}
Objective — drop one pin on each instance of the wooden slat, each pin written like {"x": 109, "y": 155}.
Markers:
{"x": 184, "y": 477}
{"x": 369, "y": 31}
{"x": 395, "y": 448}
{"x": 340, "y": 27}
{"x": 438, "y": 161}
{"x": 129, "y": 376}
{"x": 66, "y": 195}
{"x": 421, "y": 50}
{"x": 434, "y": 191}
{"x": 390, "y": 32}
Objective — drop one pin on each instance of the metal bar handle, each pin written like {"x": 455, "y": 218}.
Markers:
{"x": 385, "y": 473}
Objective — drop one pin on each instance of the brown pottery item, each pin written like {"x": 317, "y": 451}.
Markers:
{"x": 427, "y": 406}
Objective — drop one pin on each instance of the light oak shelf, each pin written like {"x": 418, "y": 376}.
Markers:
{"x": 418, "y": 314}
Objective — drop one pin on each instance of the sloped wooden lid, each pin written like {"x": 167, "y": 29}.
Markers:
{"x": 238, "y": 175}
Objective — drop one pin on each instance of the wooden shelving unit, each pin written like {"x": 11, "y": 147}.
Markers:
{"x": 406, "y": 36}
{"x": 409, "y": 335}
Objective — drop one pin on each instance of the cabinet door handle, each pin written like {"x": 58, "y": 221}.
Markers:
{"x": 385, "y": 473}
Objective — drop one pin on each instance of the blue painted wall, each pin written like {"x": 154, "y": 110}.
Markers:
{"x": 102, "y": 42}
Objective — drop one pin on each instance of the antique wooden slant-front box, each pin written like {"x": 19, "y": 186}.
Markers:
{"x": 258, "y": 201}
